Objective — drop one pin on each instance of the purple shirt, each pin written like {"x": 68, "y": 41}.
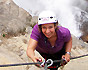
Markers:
{"x": 44, "y": 46}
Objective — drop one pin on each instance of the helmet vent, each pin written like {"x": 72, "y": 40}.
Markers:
{"x": 39, "y": 18}
{"x": 51, "y": 17}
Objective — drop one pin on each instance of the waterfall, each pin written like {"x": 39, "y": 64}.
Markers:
{"x": 69, "y": 12}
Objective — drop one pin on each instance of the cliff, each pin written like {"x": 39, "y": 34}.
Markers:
{"x": 15, "y": 28}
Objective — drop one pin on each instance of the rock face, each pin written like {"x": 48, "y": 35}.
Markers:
{"x": 78, "y": 47}
{"x": 13, "y": 50}
{"x": 8, "y": 57}
{"x": 14, "y": 20}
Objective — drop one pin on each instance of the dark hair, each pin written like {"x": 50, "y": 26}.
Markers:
{"x": 40, "y": 26}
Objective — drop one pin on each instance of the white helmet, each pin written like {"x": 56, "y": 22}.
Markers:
{"x": 46, "y": 17}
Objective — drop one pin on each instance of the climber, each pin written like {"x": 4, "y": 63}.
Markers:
{"x": 50, "y": 40}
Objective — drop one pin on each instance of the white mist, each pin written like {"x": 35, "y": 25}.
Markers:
{"x": 62, "y": 8}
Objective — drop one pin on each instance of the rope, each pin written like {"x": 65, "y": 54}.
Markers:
{"x": 19, "y": 64}
{"x": 55, "y": 61}
{"x": 78, "y": 56}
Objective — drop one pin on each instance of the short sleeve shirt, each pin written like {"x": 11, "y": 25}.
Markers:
{"x": 44, "y": 46}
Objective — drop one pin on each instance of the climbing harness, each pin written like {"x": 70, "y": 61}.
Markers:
{"x": 45, "y": 63}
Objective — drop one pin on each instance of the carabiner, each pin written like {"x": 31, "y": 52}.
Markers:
{"x": 51, "y": 62}
{"x": 42, "y": 63}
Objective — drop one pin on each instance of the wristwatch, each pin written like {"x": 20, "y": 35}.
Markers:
{"x": 68, "y": 53}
